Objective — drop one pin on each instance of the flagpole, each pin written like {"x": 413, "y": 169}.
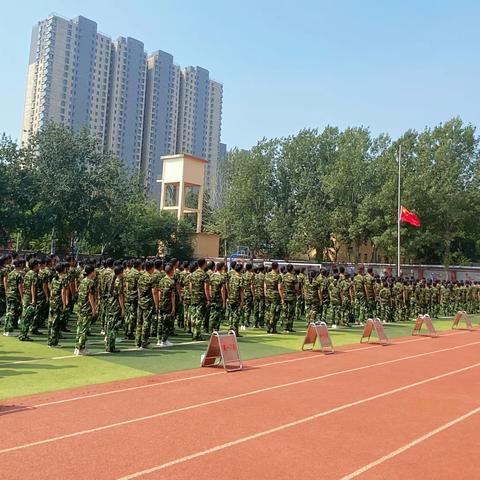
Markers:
{"x": 399, "y": 209}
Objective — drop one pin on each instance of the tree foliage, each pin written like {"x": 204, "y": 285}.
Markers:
{"x": 62, "y": 186}
{"x": 294, "y": 195}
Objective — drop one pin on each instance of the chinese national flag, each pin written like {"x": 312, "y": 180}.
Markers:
{"x": 409, "y": 217}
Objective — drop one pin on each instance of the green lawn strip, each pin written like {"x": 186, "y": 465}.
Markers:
{"x": 48, "y": 374}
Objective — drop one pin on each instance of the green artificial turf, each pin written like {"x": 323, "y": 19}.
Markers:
{"x": 31, "y": 367}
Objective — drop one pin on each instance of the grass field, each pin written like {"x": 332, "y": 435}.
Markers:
{"x": 31, "y": 367}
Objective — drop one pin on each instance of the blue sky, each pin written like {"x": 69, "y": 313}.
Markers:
{"x": 285, "y": 65}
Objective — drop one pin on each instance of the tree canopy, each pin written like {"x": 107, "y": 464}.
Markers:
{"x": 293, "y": 195}
{"x": 62, "y": 186}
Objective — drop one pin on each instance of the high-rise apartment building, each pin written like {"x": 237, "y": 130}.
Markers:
{"x": 68, "y": 73}
{"x": 138, "y": 107}
{"x": 126, "y": 101}
{"x": 160, "y": 118}
{"x": 200, "y": 119}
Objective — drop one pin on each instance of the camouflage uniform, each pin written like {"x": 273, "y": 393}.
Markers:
{"x": 198, "y": 301}
{"x": 324, "y": 298}
{"x": 300, "y": 305}
{"x": 131, "y": 302}
{"x": 259, "y": 300}
{"x": 14, "y": 301}
{"x": 289, "y": 282}
{"x": 247, "y": 281}
{"x": 55, "y": 318}
{"x": 85, "y": 313}
{"x": 44, "y": 277}
{"x": 104, "y": 283}
{"x": 166, "y": 318}
{"x": 157, "y": 278}
{"x": 114, "y": 313}
{"x": 3, "y": 298}
{"x": 272, "y": 301}
{"x": 29, "y": 311}
{"x": 398, "y": 301}
{"x": 335, "y": 297}
{"x": 312, "y": 302}
{"x": 385, "y": 296}
{"x": 217, "y": 311}
{"x": 345, "y": 286}
{"x": 360, "y": 301}
{"x": 235, "y": 285}
{"x": 185, "y": 287}
{"x": 146, "y": 308}
{"x": 369, "y": 283}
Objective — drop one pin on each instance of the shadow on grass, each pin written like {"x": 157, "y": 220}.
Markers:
{"x": 19, "y": 369}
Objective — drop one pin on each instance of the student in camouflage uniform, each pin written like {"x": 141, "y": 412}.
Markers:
{"x": 359, "y": 296}
{"x": 158, "y": 274}
{"x": 199, "y": 298}
{"x": 398, "y": 302}
{"x": 259, "y": 299}
{"x": 14, "y": 294}
{"x": 58, "y": 303}
{"x": 248, "y": 294}
{"x": 130, "y": 279}
{"x": 300, "y": 306}
{"x": 181, "y": 293}
{"x": 289, "y": 288}
{"x": 335, "y": 298}
{"x": 370, "y": 300}
{"x": 146, "y": 305}
{"x": 31, "y": 288}
{"x": 175, "y": 263}
{"x": 273, "y": 298}
{"x": 345, "y": 286}
{"x": 323, "y": 295}
{"x": 235, "y": 297}
{"x": 42, "y": 297}
{"x": 115, "y": 309}
{"x": 310, "y": 295}
{"x": 3, "y": 276}
{"x": 87, "y": 309}
{"x": 166, "y": 306}
{"x": 218, "y": 297}
{"x": 104, "y": 281}
{"x": 385, "y": 299}
{"x": 185, "y": 288}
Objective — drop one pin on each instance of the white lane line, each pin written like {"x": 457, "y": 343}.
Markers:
{"x": 294, "y": 424}
{"x": 195, "y": 377}
{"x": 415, "y": 442}
{"x": 234, "y": 397}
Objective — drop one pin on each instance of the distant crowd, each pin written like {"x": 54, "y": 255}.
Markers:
{"x": 150, "y": 299}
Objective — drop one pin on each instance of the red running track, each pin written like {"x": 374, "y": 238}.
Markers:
{"x": 410, "y": 410}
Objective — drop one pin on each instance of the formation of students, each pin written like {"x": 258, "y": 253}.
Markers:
{"x": 150, "y": 299}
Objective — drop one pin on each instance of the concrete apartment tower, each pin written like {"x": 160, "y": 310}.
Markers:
{"x": 160, "y": 117}
{"x": 68, "y": 75}
{"x": 140, "y": 109}
{"x": 199, "y": 121}
{"x": 124, "y": 127}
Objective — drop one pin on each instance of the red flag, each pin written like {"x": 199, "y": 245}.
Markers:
{"x": 409, "y": 217}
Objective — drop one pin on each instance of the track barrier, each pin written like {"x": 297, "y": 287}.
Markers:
{"x": 222, "y": 350}
{"x": 427, "y": 321}
{"x": 462, "y": 315}
{"x": 374, "y": 324}
{"x": 318, "y": 330}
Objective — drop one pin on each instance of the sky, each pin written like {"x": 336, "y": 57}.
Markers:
{"x": 389, "y": 65}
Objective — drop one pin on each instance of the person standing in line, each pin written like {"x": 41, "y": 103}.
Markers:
{"x": 273, "y": 298}
{"x": 166, "y": 307}
{"x": 146, "y": 305}
{"x": 199, "y": 284}
{"x": 14, "y": 294}
{"x": 87, "y": 309}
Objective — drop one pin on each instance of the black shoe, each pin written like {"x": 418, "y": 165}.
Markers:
{"x": 292, "y": 330}
{"x": 115, "y": 350}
